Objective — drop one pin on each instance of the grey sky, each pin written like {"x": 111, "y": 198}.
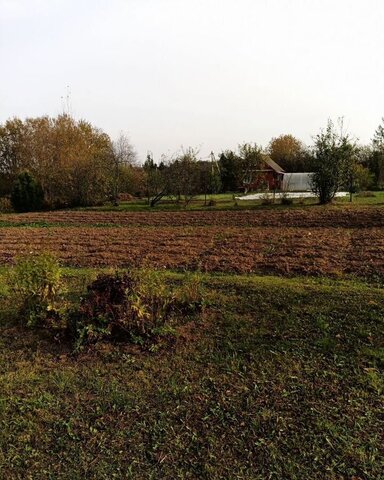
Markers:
{"x": 207, "y": 74}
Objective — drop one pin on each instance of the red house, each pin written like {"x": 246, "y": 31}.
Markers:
{"x": 268, "y": 177}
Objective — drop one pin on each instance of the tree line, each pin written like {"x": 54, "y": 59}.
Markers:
{"x": 62, "y": 162}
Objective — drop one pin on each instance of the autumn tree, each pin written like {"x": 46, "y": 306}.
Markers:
{"x": 70, "y": 159}
{"x": 132, "y": 180}
{"x": 83, "y": 157}
{"x": 184, "y": 177}
{"x": 290, "y": 153}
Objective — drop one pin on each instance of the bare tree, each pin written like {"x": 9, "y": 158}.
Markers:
{"x": 185, "y": 176}
{"x": 123, "y": 155}
{"x": 157, "y": 179}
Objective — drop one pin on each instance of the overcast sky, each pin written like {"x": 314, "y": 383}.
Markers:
{"x": 201, "y": 73}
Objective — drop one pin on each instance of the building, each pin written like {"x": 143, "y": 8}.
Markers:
{"x": 297, "y": 182}
{"x": 268, "y": 177}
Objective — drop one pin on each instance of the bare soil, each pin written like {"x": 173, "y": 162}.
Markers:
{"x": 287, "y": 242}
{"x": 314, "y": 216}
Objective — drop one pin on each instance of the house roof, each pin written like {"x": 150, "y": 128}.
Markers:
{"x": 273, "y": 164}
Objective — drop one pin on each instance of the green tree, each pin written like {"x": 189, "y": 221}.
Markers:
{"x": 27, "y": 194}
{"x": 230, "y": 166}
{"x": 251, "y": 158}
{"x": 377, "y": 159}
{"x": 333, "y": 156}
{"x": 13, "y": 157}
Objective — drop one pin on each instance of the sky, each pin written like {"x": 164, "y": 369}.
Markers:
{"x": 209, "y": 74}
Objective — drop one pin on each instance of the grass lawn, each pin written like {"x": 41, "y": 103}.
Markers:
{"x": 226, "y": 201}
{"x": 280, "y": 379}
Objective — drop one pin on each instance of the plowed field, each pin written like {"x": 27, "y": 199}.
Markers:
{"x": 307, "y": 217}
{"x": 291, "y": 242}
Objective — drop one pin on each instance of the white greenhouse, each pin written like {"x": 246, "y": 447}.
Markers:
{"x": 297, "y": 182}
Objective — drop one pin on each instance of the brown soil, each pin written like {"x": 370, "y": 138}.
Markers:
{"x": 360, "y": 217}
{"x": 347, "y": 247}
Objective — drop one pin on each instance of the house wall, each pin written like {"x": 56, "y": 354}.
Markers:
{"x": 270, "y": 178}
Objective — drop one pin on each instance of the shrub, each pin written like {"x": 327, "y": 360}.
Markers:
{"x": 27, "y": 194}
{"x": 286, "y": 201}
{"x": 134, "y": 306}
{"x": 5, "y": 205}
{"x": 266, "y": 200}
{"x": 36, "y": 286}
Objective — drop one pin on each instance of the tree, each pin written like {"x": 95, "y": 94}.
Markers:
{"x": 83, "y": 161}
{"x": 210, "y": 176}
{"x": 333, "y": 157}
{"x": 251, "y": 158}
{"x": 156, "y": 181}
{"x": 132, "y": 180}
{"x": 184, "y": 176}
{"x": 359, "y": 178}
{"x": 238, "y": 169}
{"x": 377, "y": 159}
{"x": 70, "y": 159}
{"x": 230, "y": 166}
{"x": 13, "y": 158}
{"x": 124, "y": 157}
{"x": 27, "y": 194}
{"x": 289, "y": 152}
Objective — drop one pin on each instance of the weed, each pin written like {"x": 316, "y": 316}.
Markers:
{"x": 36, "y": 287}
{"x": 135, "y": 306}
{"x": 253, "y": 397}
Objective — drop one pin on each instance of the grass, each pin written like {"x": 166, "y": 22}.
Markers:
{"x": 281, "y": 379}
{"x": 227, "y": 202}
{"x": 224, "y": 201}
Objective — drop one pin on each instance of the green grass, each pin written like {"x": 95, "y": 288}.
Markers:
{"x": 227, "y": 202}
{"x": 222, "y": 202}
{"x": 377, "y": 199}
{"x": 281, "y": 379}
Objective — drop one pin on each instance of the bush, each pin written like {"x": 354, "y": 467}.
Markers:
{"x": 266, "y": 200}
{"x": 286, "y": 201}
{"x": 135, "y": 306}
{"x": 5, "y": 205}
{"x": 36, "y": 286}
{"x": 27, "y": 194}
